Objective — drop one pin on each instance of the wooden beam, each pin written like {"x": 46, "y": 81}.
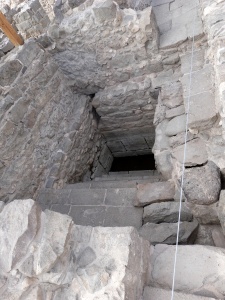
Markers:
{"x": 10, "y": 31}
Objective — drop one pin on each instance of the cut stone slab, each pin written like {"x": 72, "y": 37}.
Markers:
{"x": 202, "y": 184}
{"x": 154, "y": 192}
{"x": 173, "y": 37}
{"x": 167, "y": 212}
{"x": 205, "y": 214}
{"x": 176, "y": 125}
{"x": 107, "y": 216}
{"x": 201, "y": 81}
{"x": 197, "y": 63}
{"x": 196, "y": 153}
{"x": 166, "y": 233}
{"x": 207, "y": 277}
{"x": 202, "y": 110}
{"x": 161, "y": 294}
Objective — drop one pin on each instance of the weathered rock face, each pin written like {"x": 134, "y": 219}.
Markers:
{"x": 48, "y": 135}
{"x": 44, "y": 255}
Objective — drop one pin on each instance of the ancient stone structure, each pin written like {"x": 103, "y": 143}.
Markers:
{"x": 96, "y": 80}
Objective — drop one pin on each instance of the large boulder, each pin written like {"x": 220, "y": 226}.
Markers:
{"x": 45, "y": 253}
{"x": 154, "y": 192}
{"x": 166, "y": 212}
{"x": 202, "y": 184}
{"x": 199, "y": 269}
{"x": 205, "y": 214}
{"x": 166, "y": 233}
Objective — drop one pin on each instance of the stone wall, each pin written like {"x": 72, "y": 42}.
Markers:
{"x": 125, "y": 61}
{"x": 48, "y": 133}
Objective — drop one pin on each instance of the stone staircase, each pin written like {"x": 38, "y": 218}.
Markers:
{"x": 141, "y": 199}
{"x": 105, "y": 201}
{"x": 145, "y": 201}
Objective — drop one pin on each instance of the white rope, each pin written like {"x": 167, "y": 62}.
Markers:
{"x": 184, "y": 159}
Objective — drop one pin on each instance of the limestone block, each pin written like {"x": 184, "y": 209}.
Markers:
{"x": 164, "y": 164}
{"x": 161, "y": 294}
{"x": 19, "y": 223}
{"x": 171, "y": 94}
{"x": 196, "y": 184}
{"x": 174, "y": 112}
{"x": 206, "y": 280}
{"x": 166, "y": 233}
{"x": 198, "y": 31}
{"x": 197, "y": 63}
{"x": 154, "y": 192}
{"x": 162, "y": 13}
{"x": 176, "y": 125}
{"x": 173, "y": 38}
{"x": 164, "y": 27}
{"x": 9, "y": 72}
{"x": 195, "y": 153}
{"x": 202, "y": 110}
{"x": 205, "y": 214}
{"x": 201, "y": 81}
{"x": 166, "y": 212}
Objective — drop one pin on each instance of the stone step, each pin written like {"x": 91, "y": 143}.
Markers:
{"x": 152, "y": 178}
{"x": 95, "y": 207}
{"x": 134, "y": 173}
{"x": 109, "y": 184}
{"x": 151, "y": 293}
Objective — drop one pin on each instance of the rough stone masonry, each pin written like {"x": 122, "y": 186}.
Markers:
{"x": 100, "y": 79}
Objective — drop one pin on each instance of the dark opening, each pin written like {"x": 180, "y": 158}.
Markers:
{"x": 133, "y": 163}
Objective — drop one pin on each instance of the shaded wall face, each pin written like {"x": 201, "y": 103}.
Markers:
{"x": 47, "y": 133}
